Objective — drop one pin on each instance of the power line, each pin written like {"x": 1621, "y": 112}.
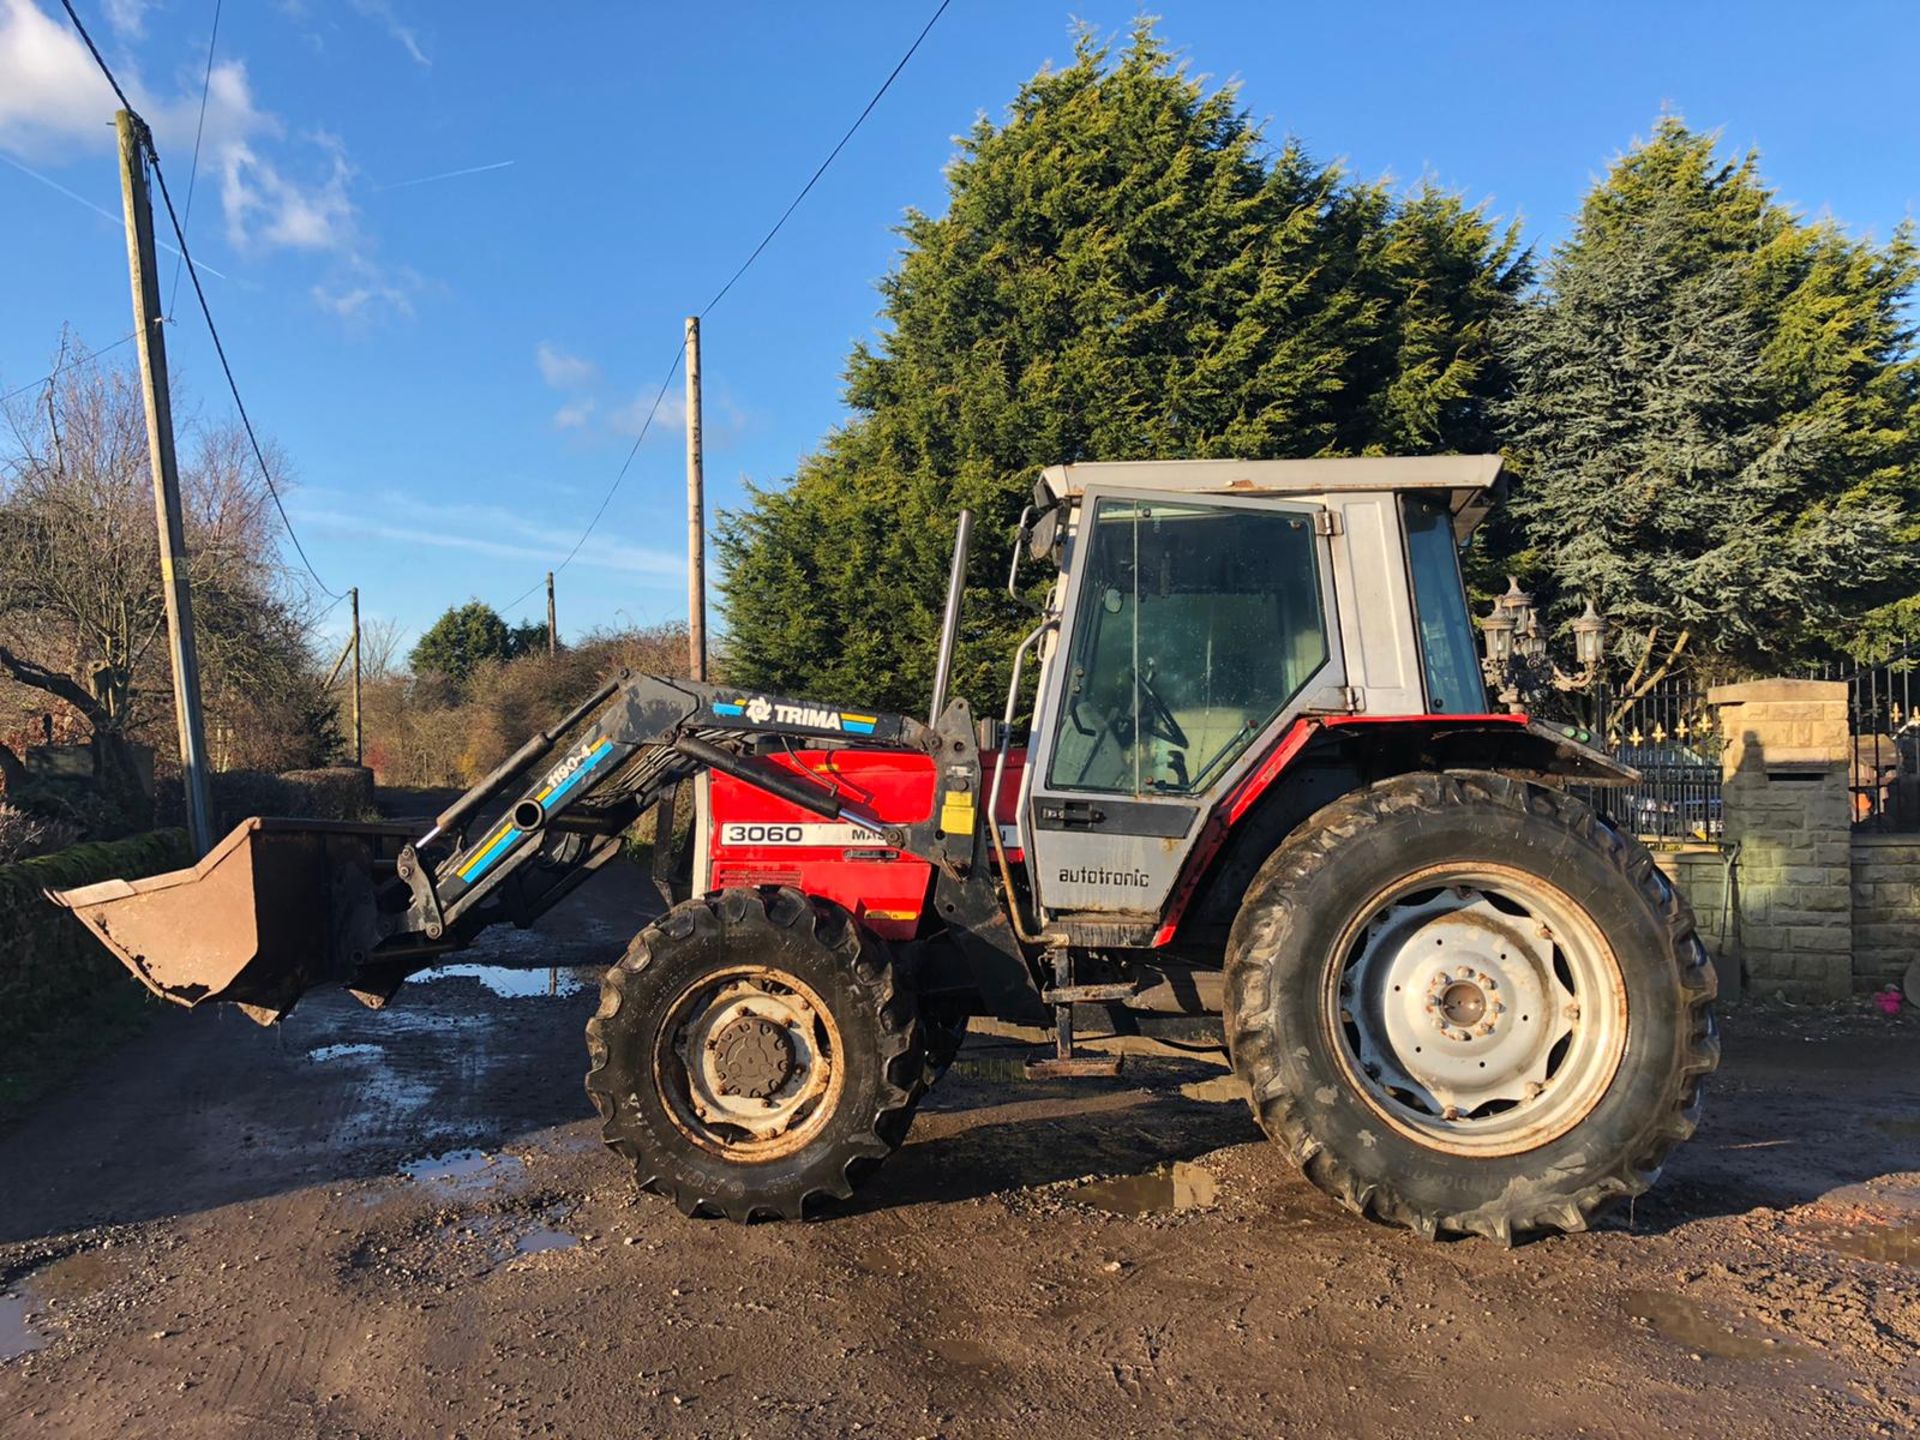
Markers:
{"x": 733, "y": 279}
{"x": 607, "y": 499}
{"x": 74, "y": 364}
{"x": 199, "y": 129}
{"x": 832, "y": 155}
{"x": 98, "y": 59}
{"x": 206, "y": 311}
{"x": 119, "y": 221}
{"x": 233, "y": 388}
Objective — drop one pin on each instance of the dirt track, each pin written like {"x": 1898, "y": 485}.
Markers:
{"x": 216, "y": 1235}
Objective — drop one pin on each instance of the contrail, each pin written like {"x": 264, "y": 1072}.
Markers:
{"x": 443, "y": 175}
{"x": 79, "y": 199}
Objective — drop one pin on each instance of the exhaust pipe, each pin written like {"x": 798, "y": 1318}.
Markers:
{"x": 950, "y": 621}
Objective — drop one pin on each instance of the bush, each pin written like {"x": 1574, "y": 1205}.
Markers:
{"x": 61, "y": 994}
{"x": 428, "y": 731}
{"x": 342, "y": 792}
{"x": 24, "y": 834}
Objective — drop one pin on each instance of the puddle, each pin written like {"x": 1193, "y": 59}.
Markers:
{"x": 1176, "y": 1187}
{"x": 464, "y": 1169}
{"x": 1887, "y": 1244}
{"x": 17, "y": 1337}
{"x": 345, "y": 1052}
{"x": 508, "y": 982}
{"x": 541, "y": 1239}
{"x": 1688, "y": 1323}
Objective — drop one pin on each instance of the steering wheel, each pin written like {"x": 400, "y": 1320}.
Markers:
{"x": 1158, "y": 720}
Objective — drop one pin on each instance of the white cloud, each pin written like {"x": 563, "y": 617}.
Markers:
{"x": 264, "y": 208}
{"x": 277, "y": 192}
{"x": 574, "y": 414}
{"x": 383, "y": 11}
{"x": 491, "y": 530}
{"x": 631, "y": 419}
{"x": 129, "y": 17}
{"x": 561, "y": 370}
{"x": 358, "y": 301}
{"x": 53, "y": 98}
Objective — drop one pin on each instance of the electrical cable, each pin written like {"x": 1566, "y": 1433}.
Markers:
{"x": 233, "y": 387}
{"x": 193, "y": 272}
{"x": 193, "y": 171}
{"x": 734, "y": 279}
{"x": 74, "y": 364}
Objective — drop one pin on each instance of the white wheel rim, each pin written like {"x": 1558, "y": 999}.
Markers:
{"x": 1477, "y": 1009}
{"x": 767, "y": 1121}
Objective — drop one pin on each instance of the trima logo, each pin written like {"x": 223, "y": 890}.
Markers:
{"x": 1093, "y": 875}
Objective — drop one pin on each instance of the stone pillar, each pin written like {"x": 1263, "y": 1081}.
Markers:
{"x": 1786, "y": 804}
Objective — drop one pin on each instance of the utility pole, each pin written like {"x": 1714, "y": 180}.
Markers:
{"x": 696, "y": 514}
{"x": 147, "y": 316}
{"x": 354, "y": 602}
{"x": 553, "y": 628}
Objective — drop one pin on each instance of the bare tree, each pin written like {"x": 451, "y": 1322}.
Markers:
{"x": 380, "y": 649}
{"x": 82, "y": 611}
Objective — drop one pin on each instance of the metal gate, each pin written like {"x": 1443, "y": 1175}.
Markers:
{"x": 1671, "y": 736}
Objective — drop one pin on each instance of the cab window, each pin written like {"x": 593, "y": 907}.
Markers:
{"x": 1447, "y": 650}
{"x": 1197, "y": 625}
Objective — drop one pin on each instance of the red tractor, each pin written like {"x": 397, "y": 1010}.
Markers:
{"x": 1261, "y": 780}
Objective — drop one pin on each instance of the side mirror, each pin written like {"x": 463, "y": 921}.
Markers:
{"x": 1043, "y": 535}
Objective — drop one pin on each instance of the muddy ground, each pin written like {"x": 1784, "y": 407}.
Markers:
{"x": 402, "y": 1224}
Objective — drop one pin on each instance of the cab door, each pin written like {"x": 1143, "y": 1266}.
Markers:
{"x": 1195, "y": 626}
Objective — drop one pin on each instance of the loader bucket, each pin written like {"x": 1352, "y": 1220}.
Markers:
{"x": 271, "y": 912}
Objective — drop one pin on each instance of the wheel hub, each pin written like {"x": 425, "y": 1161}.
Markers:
{"x": 753, "y": 1063}
{"x": 753, "y": 1057}
{"x": 1455, "y": 1006}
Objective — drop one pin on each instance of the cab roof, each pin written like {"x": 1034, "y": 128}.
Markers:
{"x": 1472, "y": 482}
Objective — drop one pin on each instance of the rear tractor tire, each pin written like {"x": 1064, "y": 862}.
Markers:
{"x": 754, "y": 1050}
{"x": 1464, "y": 1003}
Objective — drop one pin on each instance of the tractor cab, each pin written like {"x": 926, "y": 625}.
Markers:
{"x": 1204, "y": 611}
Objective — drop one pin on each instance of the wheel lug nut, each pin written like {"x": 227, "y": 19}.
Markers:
{"x": 1532, "y": 1092}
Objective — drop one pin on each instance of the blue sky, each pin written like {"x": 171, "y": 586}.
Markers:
{"x": 455, "y": 367}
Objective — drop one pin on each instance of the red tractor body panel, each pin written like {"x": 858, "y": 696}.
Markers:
{"x": 759, "y": 839}
{"x": 1242, "y": 796}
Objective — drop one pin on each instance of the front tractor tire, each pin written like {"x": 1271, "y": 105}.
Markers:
{"x": 754, "y": 1050}
{"x": 1464, "y": 1003}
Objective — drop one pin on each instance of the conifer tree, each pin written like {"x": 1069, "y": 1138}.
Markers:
{"x": 1715, "y": 417}
{"x": 1124, "y": 271}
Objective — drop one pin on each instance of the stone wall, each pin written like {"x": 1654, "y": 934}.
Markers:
{"x": 1701, "y": 876}
{"x": 1786, "y": 805}
{"x": 1886, "y": 909}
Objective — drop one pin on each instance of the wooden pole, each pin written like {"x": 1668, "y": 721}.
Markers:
{"x": 696, "y": 514}
{"x": 553, "y": 628}
{"x": 354, "y": 593}
{"x": 147, "y": 318}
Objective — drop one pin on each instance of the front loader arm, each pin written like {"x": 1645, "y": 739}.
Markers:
{"x": 646, "y": 736}
{"x": 281, "y": 906}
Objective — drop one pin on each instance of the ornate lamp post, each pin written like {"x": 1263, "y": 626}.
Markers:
{"x": 1517, "y": 664}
